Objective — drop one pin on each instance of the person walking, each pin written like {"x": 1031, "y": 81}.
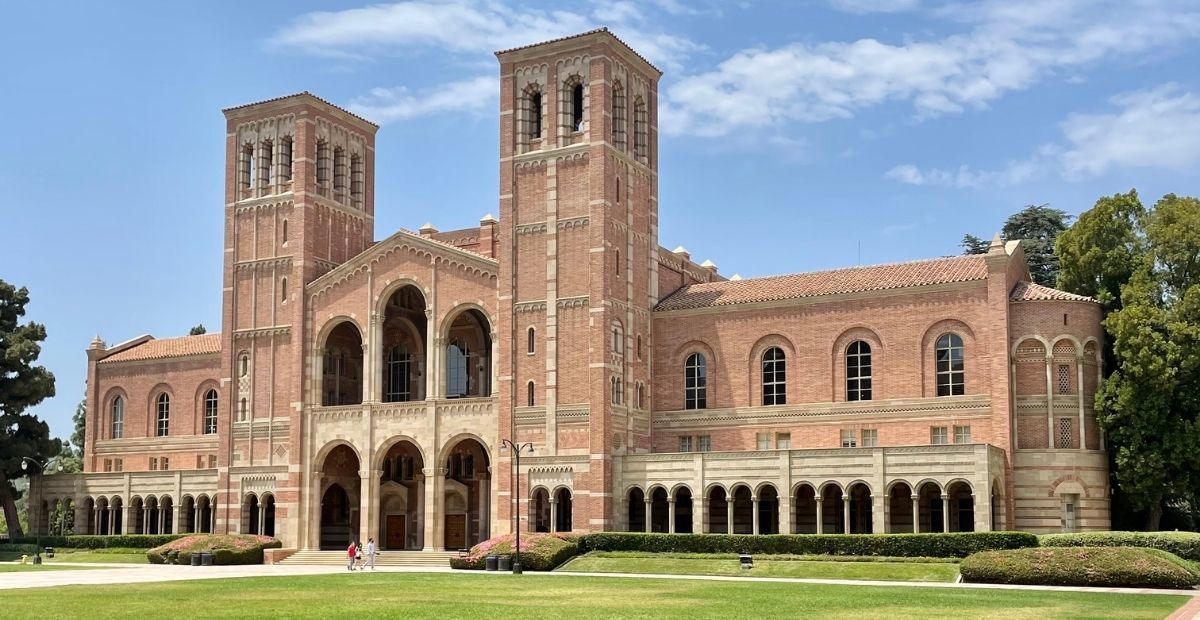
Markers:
{"x": 350, "y": 553}
{"x": 371, "y": 553}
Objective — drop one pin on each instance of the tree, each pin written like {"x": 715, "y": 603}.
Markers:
{"x": 71, "y": 457}
{"x": 198, "y": 330}
{"x": 22, "y": 385}
{"x": 1145, "y": 267}
{"x": 1038, "y": 226}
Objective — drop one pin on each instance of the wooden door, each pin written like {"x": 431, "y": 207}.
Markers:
{"x": 456, "y": 531}
{"x": 395, "y": 531}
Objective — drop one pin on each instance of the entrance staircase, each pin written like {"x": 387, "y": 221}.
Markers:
{"x": 408, "y": 559}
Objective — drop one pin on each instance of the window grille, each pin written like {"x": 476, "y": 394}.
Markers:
{"x": 695, "y": 382}
{"x": 705, "y": 443}
{"x": 938, "y": 436}
{"x": 951, "y": 372}
{"x": 1066, "y": 433}
{"x": 685, "y": 443}
{"x": 848, "y": 439}
{"x": 962, "y": 434}
{"x": 870, "y": 438}
{"x": 858, "y": 371}
{"x": 774, "y": 377}
{"x": 1064, "y": 378}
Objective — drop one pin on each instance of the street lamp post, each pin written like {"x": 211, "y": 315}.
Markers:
{"x": 37, "y": 531}
{"x": 515, "y": 476}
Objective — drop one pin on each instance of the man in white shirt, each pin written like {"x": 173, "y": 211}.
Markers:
{"x": 371, "y": 553}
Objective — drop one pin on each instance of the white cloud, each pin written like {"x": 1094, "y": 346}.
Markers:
{"x": 1009, "y": 45}
{"x": 1152, "y": 128}
{"x": 874, "y": 6}
{"x": 470, "y": 27}
{"x": 385, "y": 105}
{"x": 1155, "y": 128}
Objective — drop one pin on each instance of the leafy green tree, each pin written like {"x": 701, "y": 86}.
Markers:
{"x": 1038, "y": 226}
{"x": 1149, "y": 407}
{"x": 198, "y": 330}
{"x": 71, "y": 458}
{"x": 22, "y": 385}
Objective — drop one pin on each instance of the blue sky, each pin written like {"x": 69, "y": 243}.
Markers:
{"x": 792, "y": 133}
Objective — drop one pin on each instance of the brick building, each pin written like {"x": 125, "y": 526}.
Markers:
{"x": 364, "y": 388}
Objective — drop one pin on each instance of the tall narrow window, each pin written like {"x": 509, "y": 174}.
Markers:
{"x": 118, "y": 418}
{"x": 1064, "y": 379}
{"x": 163, "y": 408}
{"x": 356, "y": 178}
{"x": 244, "y": 365}
{"x": 339, "y": 169}
{"x": 283, "y": 234}
{"x": 246, "y": 164}
{"x": 618, "y": 338}
{"x": 285, "y": 158}
{"x": 283, "y": 289}
{"x": 951, "y": 373}
{"x": 641, "y": 130}
{"x": 858, "y": 371}
{"x": 243, "y": 410}
{"x": 210, "y": 412}
{"x": 639, "y": 346}
{"x": 617, "y": 390}
{"x": 695, "y": 382}
{"x": 529, "y": 394}
{"x": 641, "y": 395}
{"x": 456, "y": 369}
{"x": 266, "y": 163}
{"x": 322, "y": 164}
{"x": 774, "y": 377}
{"x": 535, "y": 115}
{"x": 529, "y": 335}
{"x": 618, "y": 122}
{"x": 577, "y": 107}
{"x": 397, "y": 372}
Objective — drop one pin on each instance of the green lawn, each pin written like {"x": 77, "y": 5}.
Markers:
{"x": 798, "y": 566}
{"x": 532, "y": 596}
{"x": 97, "y": 556}
{"x": 21, "y": 568}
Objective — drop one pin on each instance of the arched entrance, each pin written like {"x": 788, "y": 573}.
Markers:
{"x": 340, "y": 490}
{"x": 962, "y": 506}
{"x": 404, "y": 350}
{"x": 929, "y": 506}
{"x": 636, "y": 505}
{"x": 562, "y": 510}
{"x": 342, "y": 366}
{"x": 743, "y": 510}
{"x": 806, "y": 509}
{"x": 860, "y": 509}
{"x": 205, "y": 513}
{"x": 900, "y": 512}
{"x": 539, "y": 509}
{"x": 683, "y": 510}
{"x": 268, "y": 511}
{"x": 468, "y": 358}
{"x": 402, "y": 497}
{"x": 833, "y": 518}
{"x": 659, "y": 511}
{"x": 465, "y": 499}
{"x": 718, "y": 511}
{"x": 250, "y": 520}
{"x": 138, "y": 508}
{"x": 768, "y": 510}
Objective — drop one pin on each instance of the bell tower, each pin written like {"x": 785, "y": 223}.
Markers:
{"x": 299, "y": 200}
{"x": 578, "y": 258}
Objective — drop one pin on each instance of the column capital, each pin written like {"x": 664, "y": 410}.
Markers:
{"x": 845, "y": 498}
{"x": 945, "y": 497}
{"x": 670, "y": 500}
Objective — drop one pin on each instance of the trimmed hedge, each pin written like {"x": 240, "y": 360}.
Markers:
{"x": 952, "y": 545}
{"x": 131, "y": 541}
{"x": 1183, "y": 544}
{"x": 1118, "y": 567}
{"x": 539, "y": 552}
{"x": 227, "y": 549}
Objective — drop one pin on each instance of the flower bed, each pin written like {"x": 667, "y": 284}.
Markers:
{"x": 539, "y": 552}
{"x": 226, "y": 549}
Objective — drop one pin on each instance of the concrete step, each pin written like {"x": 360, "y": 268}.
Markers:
{"x": 438, "y": 559}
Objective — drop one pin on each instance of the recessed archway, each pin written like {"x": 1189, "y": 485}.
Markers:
{"x": 961, "y": 505}
{"x": 683, "y": 510}
{"x": 402, "y": 497}
{"x": 466, "y": 502}
{"x": 404, "y": 348}
{"x": 562, "y": 510}
{"x": 806, "y": 509}
{"x": 743, "y": 510}
{"x": 342, "y": 366}
{"x": 718, "y": 511}
{"x": 539, "y": 510}
{"x": 833, "y": 518}
{"x": 339, "y": 498}
{"x": 768, "y": 510}
{"x": 900, "y": 509}
{"x": 660, "y": 511}
{"x": 468, "y": 355}
{"x": 635, "y": 501}
{"x": 860, "y": 509}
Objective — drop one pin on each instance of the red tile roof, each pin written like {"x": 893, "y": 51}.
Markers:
{"x": 820, "y": 283}
{"x": 303, "y": 93}
{"x": 169, "y": 347}
{"x": 1028, "y": 291}
{"x": 603, "y": 29}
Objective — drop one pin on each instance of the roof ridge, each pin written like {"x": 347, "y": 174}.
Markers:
{"x": 568, "y": 37}
{"x": 853, "y": 268}
{"x": 301, "y": 94}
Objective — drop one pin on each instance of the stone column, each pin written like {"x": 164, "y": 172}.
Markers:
{"x": 649, "y": 514}
{"x": 368, "y": 504}
{"x": 430, "y": 356}
{"x": 553, "y": 514}
{"x": 916, "y": 510}
{"x": 485, "y": 507}
{"x": 1050, "y": 399}
{"x": 196, "y": 524}
{"x": 671, "y": 515}
{"x": 699, "y": 510}
{"x": 162, "y": 521}
{"x": 178, "y": 523}
{"x": 729, "y": 514}
{"x": 945, "y": 513}
{"x": 820, "y": 514}
{"x": 145, "y": 520}
{"x": 754, "y": 515}
{"x": 368, "y": 371}
{"x": 262, "y": 519}
{"x": 419, "y": 526}
{"x": 845, "y": 514}
{"x": 434, "y": 481}
{"x": 1079, "y": 395}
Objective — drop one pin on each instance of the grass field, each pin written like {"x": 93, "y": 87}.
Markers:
{"x": 96, "y": 556}
{"x": 8, "y": 567}
{"x": 768, "y": 566}
{"x": 532, "y": 596}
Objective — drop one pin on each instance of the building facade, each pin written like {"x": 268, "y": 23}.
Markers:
{"x": 364, "y": 388}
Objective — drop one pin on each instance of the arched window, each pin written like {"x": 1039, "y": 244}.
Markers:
{"x": 456, "y": 369}
{"x": 577, "y": 107}
{"x": 641, "y": 395}
{"x": 695, "y": 382}
{"x": 774, "y": 377}
{"x": 570, "y": 117}
{"x": 118, "y": 418}
{"x": 210, "y": 412}
{"x": 858, "y": 371}
{"x": 243, "y": 409}
{"x": 246, "y": 165}
{"x": 618, "y": 122}
{"x": 285, "y": 159}
{"x": 951, "y": 371}
{"x": 284, "y": 236}
{"x": 618, "y": 338}
{"x": 163, "y": 419}
{"x": 641, "y": 135}
{"x": 530, "y": 337}
{"x": 244, "y": 365}
{"x": 322, "y": 164}
{"x": 283, "y": 289}
{"x": 357, "y": 174}
{"x": 533, "y": 112}
{"x": 266, "y": 163}
{"x": 529, "y": 394}
{"x": 617, "y": 390}
{"x": 618, "y": 190}
{"x": 339, "y": 169}
{"x": 639, "y": 346}
{"x": 399, "y": 368}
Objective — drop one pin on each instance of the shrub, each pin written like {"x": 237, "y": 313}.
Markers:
{"x": 226, "y": 549}
{"x": 952, "y": 545}
{"x": 539, "y": 552}
{"x": 1183, "y": 544}
{"x": 1127, "y": 567}
{"x": 131, "y": 541}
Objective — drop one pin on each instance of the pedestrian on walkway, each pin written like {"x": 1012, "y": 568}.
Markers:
{"x": 371, "y": 553}
{"x": 351, "y": 551}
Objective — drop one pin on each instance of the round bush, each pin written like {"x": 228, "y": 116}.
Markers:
{"x": 539, "y": 552}
{"x": 227, "y": 549}
{"x": 1124, "y": 567}
{"x": 1183, "y": 544}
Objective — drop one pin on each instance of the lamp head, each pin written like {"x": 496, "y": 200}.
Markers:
{"x": 24, "y": 464}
